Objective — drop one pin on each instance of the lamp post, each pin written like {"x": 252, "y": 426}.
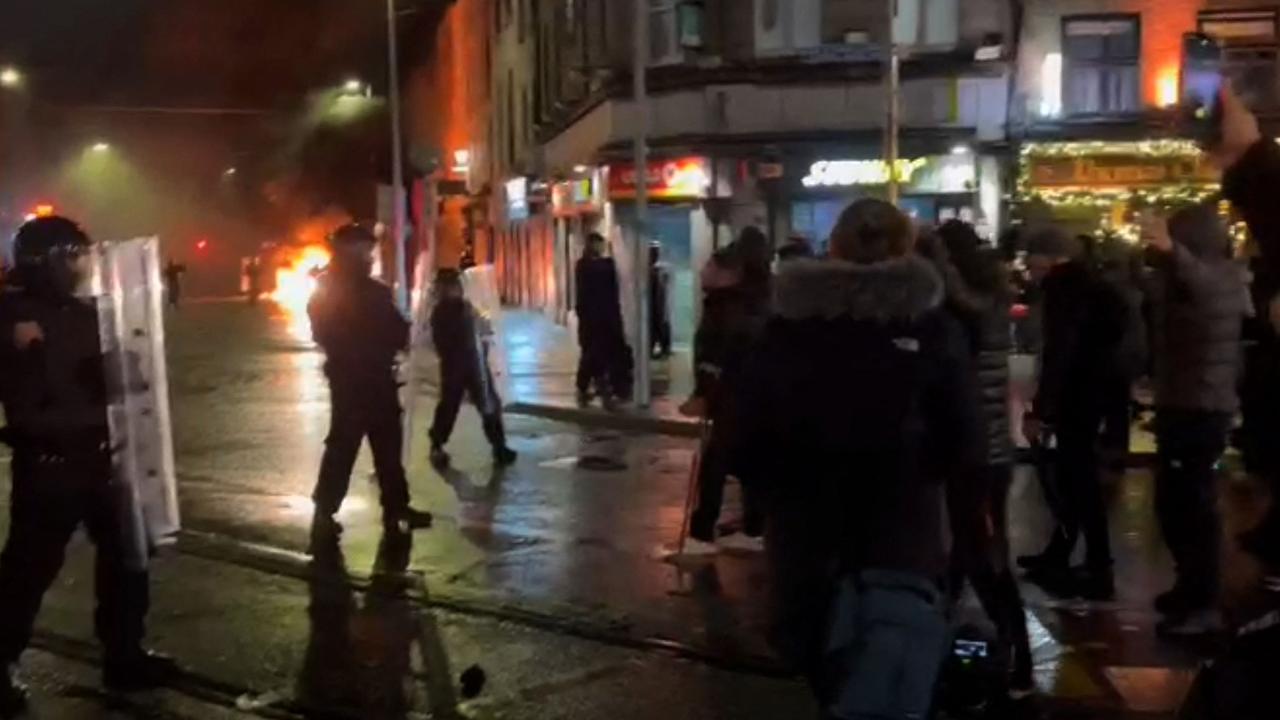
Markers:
{"x": 640, "y": 262}
{"x": 398, "y": 220}
{"x": 892, "y": 120}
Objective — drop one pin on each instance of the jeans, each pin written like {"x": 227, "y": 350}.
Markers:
{"x": 884, "y": 649}
{"x": 1190, "y": 444}
{"x": 51, "y": 499}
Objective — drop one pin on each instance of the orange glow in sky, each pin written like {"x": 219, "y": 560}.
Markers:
{"x": 1167, "y": 86}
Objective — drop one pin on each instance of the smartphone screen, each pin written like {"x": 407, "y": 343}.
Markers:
{"x": 1201, "y": 91}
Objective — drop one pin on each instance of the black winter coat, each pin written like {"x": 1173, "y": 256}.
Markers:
{"x": 1085, "y": 320}
{"x": 599, "y": 302}
{"x": 986, "y": 321}
{"x": 732, "y": 321}
{"x": 855, "y": 405}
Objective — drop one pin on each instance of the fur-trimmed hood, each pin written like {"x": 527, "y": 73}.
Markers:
{"x": 898, "y": 289}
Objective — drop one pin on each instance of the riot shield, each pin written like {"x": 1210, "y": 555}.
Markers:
{"x": 131, "y": 331}
{"x": 412, "y": 371}
{"x": 480, "y": 285}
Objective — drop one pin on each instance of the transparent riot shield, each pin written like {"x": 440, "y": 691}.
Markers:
{"x": 413, "y": 371}
{"x": 129, "y": 295}
{"x": 480, "y": 285}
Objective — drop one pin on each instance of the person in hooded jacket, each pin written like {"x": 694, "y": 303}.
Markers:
{"x": 856, "y": 405}
{"x": 605, "y": 363}
{"x": 733, "y": 317}
{"x": 1251, "y": 164}
{"x": 979, "y": 296}
{"x": 1084, "y": 324}
{"x": 1200, "y": 298}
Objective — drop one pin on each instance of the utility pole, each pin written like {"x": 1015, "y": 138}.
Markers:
{"x": 640, "y": 261}
{"x": 399, "y": 220}
{"x": 893, "y": 120}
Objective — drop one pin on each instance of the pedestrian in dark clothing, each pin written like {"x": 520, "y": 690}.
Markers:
{"x": 659, "y": 312}
{"x": 173, "y": 272}
{"x": 979, "y": 296}
{"x": 1084, "y": 323}
{"x": 458, "y": 336}
{"x": 253, "y": 280}
{"x": 356, "y": 323}
{"x": 605, "y": 360}
{"x": 1240, "y": 683}
{"x": 756, "y": 255}
{"x": 1252, "y": 173}
{"x": 1200, "y": 300}
{"x": 733, "y": 318}
{"x": 1120, "y": 266}
{"x": 856, "y": 406}
{"x": 55, "y": 400}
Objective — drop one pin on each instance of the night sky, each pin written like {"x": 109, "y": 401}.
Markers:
{"x": 154, "y": 77}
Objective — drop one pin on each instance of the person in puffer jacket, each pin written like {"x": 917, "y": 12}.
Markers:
{"x": 855, "y": 407}
{"x": 1200, "y": 298}
{"x": 979, "y": 296}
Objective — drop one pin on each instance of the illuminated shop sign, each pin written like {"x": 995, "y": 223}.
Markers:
{"x": 933, "y": 174}
{"x": 573, "y": 196}
{"x": 517, "y": 199}
{"x": 684, "y": 178}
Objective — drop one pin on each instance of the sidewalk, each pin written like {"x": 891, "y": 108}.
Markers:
{"x": 542, "y": 358}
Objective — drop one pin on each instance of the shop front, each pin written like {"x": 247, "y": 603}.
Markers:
{"x": 677, "y": 221}
{"x": 1095, "y": 187}
{"x": 577, "y": 205}
{"x": 933, "y": 190}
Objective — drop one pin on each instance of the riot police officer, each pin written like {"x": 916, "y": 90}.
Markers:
{"x": 55, "y": 397}
{"x": 458, "y": 335}
{"x": 356, "y": 323}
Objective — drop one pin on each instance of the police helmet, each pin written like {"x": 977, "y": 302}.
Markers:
{"x": 352, "y": 234}
{"x": 45, "y": 252}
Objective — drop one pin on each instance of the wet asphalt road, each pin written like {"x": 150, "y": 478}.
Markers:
{"x": 545, "y": 574}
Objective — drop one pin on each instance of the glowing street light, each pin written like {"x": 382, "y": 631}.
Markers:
{"x": 353, "y": 86}
{"x": 229, "y": 172}
{"x": 100, "y": 147}
{"x": 10, "y": 77}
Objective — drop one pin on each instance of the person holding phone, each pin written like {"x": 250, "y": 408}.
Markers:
{"x": 1251, "y": 165}
{"x": 1198, "y": 293}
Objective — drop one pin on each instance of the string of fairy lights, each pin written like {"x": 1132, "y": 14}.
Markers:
{"x": 1163, "y": 196}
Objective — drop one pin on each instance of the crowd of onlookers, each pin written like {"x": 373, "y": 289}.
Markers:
{"x": 863, "y": 401}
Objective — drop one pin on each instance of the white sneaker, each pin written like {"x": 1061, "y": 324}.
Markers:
{"x": 694, "y": 547}
{"x": 741, "y": 542}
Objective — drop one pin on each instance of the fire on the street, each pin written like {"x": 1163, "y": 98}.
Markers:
{"x": 296, "y": 280}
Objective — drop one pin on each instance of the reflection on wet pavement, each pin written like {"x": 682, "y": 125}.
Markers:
{"x": 571, "y": 530}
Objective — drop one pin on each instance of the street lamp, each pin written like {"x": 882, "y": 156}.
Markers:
{"x": 353, "y": 86}
{"x": 100, "y": 147}
{"x": 10, "y": 77}
{"x": 229, "y": 172}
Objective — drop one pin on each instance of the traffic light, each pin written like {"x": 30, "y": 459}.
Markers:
{"x": 202, "y": 244}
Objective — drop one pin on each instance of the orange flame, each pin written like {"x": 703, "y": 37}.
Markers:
{"x": 296, "y": 281}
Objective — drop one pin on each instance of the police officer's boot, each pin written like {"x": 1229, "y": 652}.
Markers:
{"x": 138, "y": 670}
{"x": 407, "y": 520}
{"x": 13, "y": 692}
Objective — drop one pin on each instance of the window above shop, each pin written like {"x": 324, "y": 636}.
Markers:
{"x": 1249, "y": 42}
{"x": 1240, "y": 28}
{"x": 1101, "y": 64}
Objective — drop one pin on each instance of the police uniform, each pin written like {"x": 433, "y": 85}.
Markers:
{"x": 55, "y": 401}
{"x": 356, "y": 323}
{"x": 463, "y": 372}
